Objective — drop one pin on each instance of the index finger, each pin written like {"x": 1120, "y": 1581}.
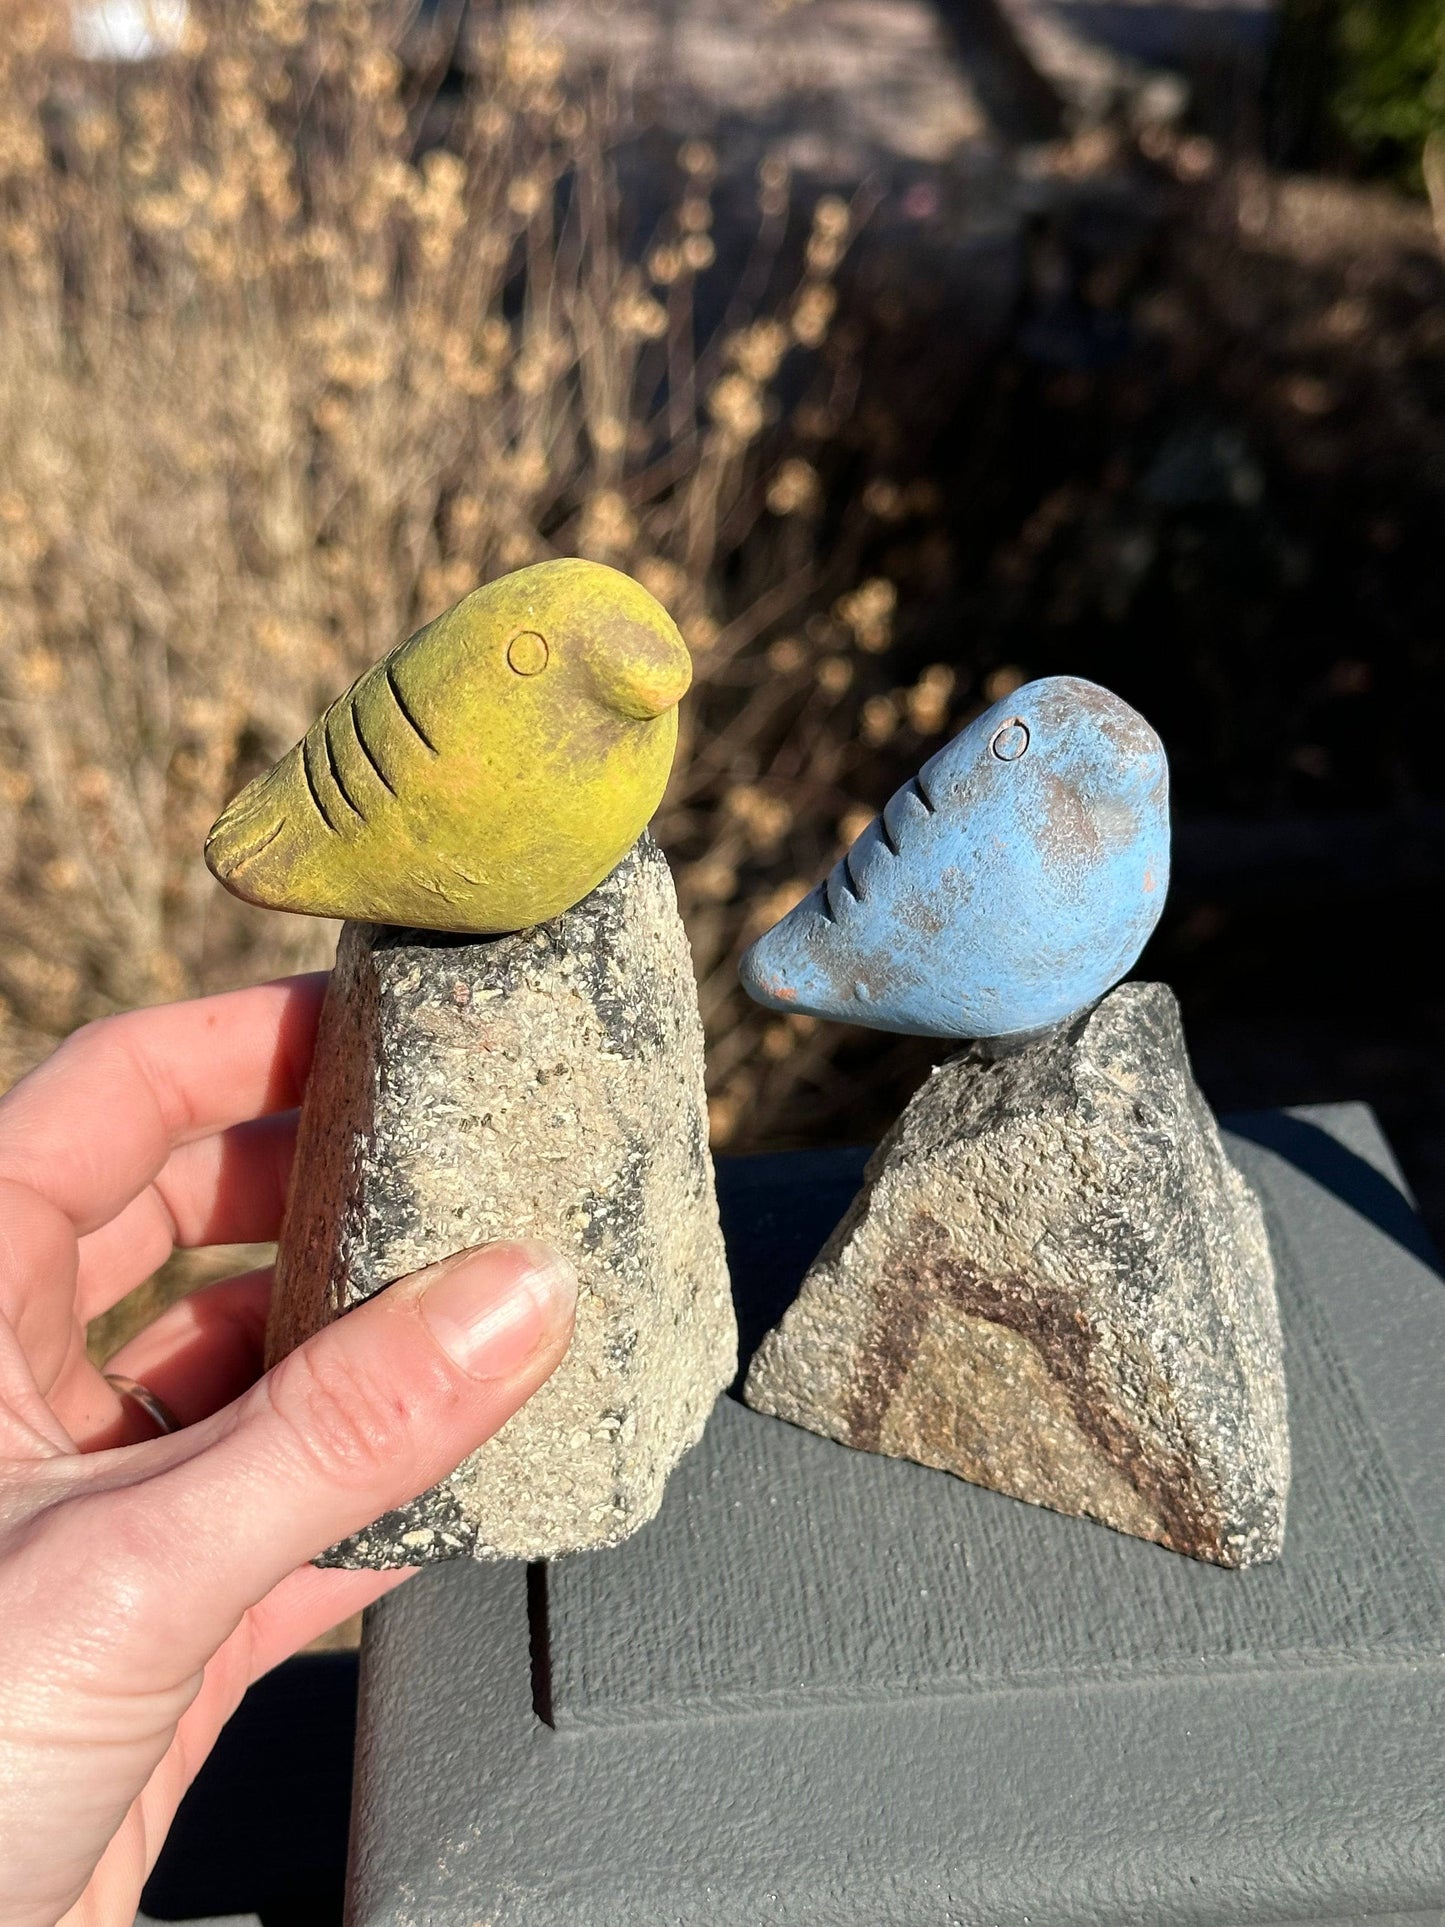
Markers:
{"x": 92, "y": 1126}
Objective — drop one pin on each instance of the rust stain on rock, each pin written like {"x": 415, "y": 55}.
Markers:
{"x": 1055, "y": 1284}
{"x": 929, "y": 1273}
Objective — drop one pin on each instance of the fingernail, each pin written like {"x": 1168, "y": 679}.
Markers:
{"x": 493, "y": 1310}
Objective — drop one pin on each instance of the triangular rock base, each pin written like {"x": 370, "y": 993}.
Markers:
{"x": 543, "y": 1085}
{"x": 1054, "y": 1283}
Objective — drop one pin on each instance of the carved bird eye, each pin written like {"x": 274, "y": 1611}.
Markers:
{"x": 1010, "y": 741}
{"x": 527, "y": 653}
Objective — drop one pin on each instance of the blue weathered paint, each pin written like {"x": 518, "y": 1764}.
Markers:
{"x": 1006, "y": 886}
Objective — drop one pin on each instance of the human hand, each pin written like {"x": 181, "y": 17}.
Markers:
{"x": 145, "y": 1582}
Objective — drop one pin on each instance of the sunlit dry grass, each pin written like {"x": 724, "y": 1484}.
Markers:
{"x": 296, "y": 350}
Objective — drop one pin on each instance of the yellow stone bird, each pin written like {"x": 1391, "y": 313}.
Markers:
{"x": 485, "y": 775}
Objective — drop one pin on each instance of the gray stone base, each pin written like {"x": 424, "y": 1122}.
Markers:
{"x": 1055, "y": 1283}
{"x": 545, "y": 1085}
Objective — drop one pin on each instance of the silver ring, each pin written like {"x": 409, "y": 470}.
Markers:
{"x": 155, "y": 1409}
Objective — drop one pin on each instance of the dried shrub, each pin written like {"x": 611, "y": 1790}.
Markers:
{"x": 298, "y": 348}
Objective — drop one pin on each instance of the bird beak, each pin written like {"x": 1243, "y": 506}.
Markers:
{"x": 649, "y": 674}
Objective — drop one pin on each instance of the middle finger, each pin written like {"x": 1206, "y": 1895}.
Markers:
{"x": 226, "y": 1189}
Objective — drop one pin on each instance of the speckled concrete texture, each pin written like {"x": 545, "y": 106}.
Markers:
{"x": 1054, "y": 1283}
{"x": 545, "y": 1085}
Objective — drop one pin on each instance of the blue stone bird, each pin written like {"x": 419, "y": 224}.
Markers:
{"x": 1008, "y": 885}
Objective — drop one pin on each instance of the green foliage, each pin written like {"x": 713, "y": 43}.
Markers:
{"x": 1389, "y": 97}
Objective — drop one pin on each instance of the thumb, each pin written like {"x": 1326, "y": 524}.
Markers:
{"x": 375, "y": 1408}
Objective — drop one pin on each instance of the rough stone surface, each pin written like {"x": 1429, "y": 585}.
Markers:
{"x": 1054, "y": 1283}
{"x": 547, "y": 1085}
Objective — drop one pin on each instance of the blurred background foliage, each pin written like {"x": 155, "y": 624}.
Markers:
{"x": 1391, "y": 93}
{"x": 1362, "y": 83}
{"x": 306, "y": 327}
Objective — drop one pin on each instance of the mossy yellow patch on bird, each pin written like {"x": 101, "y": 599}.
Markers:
{"x": 485, "y": 775}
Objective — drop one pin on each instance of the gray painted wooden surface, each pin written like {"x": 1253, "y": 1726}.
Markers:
{"x": 217, "y": 1920}
{"x": 829, "y": 1690}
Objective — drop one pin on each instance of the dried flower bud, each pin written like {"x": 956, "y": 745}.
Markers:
{"x": 758, "y": 351}
{"x": 929, "y": 697}
{"x": 879, "y": 720}
{"x": 787, "y": 655}
{"x": 736, "y": 406}
{"x": 1002, "y": 682}
{"x": 831, "y": 217}
{"x": 813, "y": 314}
{"x": 794, "y": 488}
{"x": 868, "y": 613}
